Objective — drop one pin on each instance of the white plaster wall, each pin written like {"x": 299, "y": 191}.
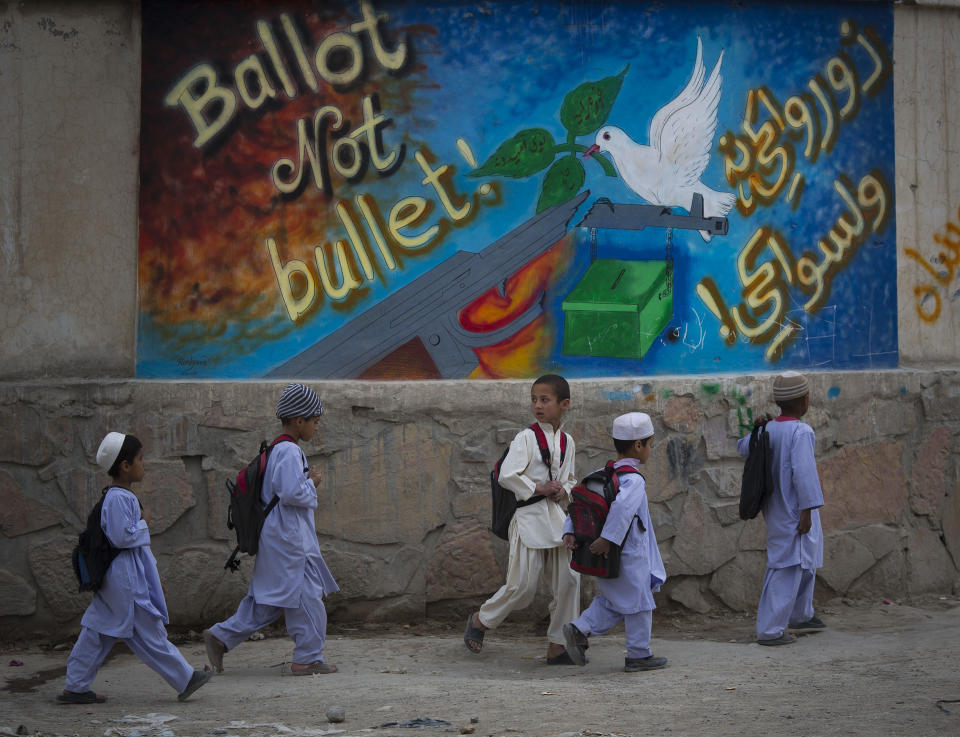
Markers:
{"x": 69, "y": 130}
{"x": 927, "y": 119}
{"x": 69, "y": 124}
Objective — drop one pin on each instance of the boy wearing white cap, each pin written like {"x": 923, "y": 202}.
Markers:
{"x": 792, "y": 517}
{"x": 629, "y": 597}
{"x": 290, "y": 577}
{"x": 129, "y": 604}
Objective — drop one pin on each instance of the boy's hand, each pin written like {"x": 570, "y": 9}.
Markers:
{"x": 600, "y": 546}
{"x": 549, "y": 489}
{"x": 805, "y": 523}
{"x": 569, "y": 542}
{"x": 315, "y": 476}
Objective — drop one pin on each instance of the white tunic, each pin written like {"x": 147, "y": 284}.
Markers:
{"x": 132, "y": 578}
{"x": 539, "y": 525}
{"x": 796, "y": 488}
{"x": 641, "y": 567}
{"x": 289, "y": 554}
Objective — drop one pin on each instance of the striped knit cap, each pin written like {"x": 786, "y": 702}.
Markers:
{"x": 790, "y": 385}
{"x": 298, "y": 400}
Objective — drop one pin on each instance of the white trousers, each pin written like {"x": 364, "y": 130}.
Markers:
{"x": 787, "y": 598}
{"x": 149, "y": 643}
{"x": 599, "y": 618}
{"x": 524, "y": 571}
{"x": 307, "y": 624}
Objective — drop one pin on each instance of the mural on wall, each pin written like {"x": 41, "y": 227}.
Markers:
{"x": 376, "y": 189}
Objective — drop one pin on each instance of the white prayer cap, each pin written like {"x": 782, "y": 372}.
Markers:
{"x": 790, "y": 385}
{"x": 109, "y": 450}
{"x": 632, "y": 426}
{"x": 298, "y": 400}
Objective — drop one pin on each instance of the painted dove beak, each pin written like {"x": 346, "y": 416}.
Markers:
{"x": 590, "y": 151}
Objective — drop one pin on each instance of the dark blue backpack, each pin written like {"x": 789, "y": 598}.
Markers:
{"x": 93, "y": 553}
{"x": 757, "y": 480}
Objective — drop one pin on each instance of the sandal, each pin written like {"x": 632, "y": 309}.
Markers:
{"x": 198, "y": 678}
{"x": 561, "y": 659}
{"x": 316, "y": 668}
{"x": 474, "y": 635}
{"x": 80, "y": 697}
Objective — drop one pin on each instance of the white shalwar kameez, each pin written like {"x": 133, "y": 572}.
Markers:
{"x": 290, "y": 577}
{"x": 535, "y": 534}
{"x": 629, "y": 596}
{"x": 129, "y": 605}
{"x": 792, "y": 558}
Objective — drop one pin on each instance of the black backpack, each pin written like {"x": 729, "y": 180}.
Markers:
{"x": 757, "y": 480}
{"x": 504, "y": 501}
{"x": 93, "y": 553}
{"x": 246, "y": 512}
{"x": 588, "y": 511}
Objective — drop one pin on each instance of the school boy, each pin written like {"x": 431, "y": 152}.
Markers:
{"x": 290, "y": 577}
{"x": 791, "y": 513}
{"x": 536, "y": 550}
{"x": 629, "y": 597}
{"x": 129, "y": 604}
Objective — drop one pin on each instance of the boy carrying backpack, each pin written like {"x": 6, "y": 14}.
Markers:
{"x": 541, "y": 483}
{"x": 629, "y": 596}
{"x": 290, "y": 577}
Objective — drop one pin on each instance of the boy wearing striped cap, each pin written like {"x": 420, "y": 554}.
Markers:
{"x": 791, "y": 513}
{"x": 290, "y": 577}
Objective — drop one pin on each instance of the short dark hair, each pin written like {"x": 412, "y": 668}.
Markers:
{"x": 792, "y": 406}
{"x": 623, "y": 446}
{"x": 557, "y": 383}
{"x": 128, "y": 451}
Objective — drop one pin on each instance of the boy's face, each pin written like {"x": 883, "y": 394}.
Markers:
{"x": 546, "y": 407}
{"x": 643, "y": 450}
{"x": 133, "y": 470}
{"x": 307, "y": 427}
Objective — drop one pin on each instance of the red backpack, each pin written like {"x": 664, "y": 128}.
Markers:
{"x": 246, "y": 512}
{"x": 505, "y": 501}
{"x": 588, "y": 511}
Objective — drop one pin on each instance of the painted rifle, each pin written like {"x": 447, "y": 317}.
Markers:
{"x": 606, "y": 214}
{"x": 427, "y": 308}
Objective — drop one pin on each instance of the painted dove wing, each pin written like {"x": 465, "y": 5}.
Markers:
{"x": 687, "y": 133}
{"x": 687, "y": 96}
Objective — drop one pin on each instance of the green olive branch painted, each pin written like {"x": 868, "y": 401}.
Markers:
{"x": 584, "y": 110}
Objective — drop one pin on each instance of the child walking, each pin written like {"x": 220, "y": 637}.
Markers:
{"x": 536, "y": 549}
{"x": 130, "y": 604}
{"x": 791, "y": 513}
{"x": 629, "y": 597}
{"x": 290, "y": 577}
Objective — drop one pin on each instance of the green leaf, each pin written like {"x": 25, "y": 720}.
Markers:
{"x": 586, "y": 108}
{"x": 562, "y": 181}
{"x": 526, "y": 153}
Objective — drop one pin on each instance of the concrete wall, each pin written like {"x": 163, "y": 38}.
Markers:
{"x": 405, "y": 506}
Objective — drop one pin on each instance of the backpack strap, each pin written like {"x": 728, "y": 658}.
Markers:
{"x": 615, "y": 480}
{"x": 545, "y": 447}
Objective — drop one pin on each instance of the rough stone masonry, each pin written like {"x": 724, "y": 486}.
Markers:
{"x": 404, "y": 504}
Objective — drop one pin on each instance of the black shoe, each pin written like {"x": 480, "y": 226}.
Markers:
{"x": 632, "y": 665}
{"x": 814, "y": 623}
{"x": 198, "y": 678}
{"x": 576, "y": 643}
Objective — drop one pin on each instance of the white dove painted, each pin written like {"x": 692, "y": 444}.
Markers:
{"x": 668, "y": 171}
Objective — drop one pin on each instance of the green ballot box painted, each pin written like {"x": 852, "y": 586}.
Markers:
{"x": 617, "y": 309}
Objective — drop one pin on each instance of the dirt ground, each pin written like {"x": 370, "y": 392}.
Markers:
{"x": 878, "y": 669}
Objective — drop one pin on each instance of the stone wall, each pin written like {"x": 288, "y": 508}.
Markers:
{"x": 404, "y": 505}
